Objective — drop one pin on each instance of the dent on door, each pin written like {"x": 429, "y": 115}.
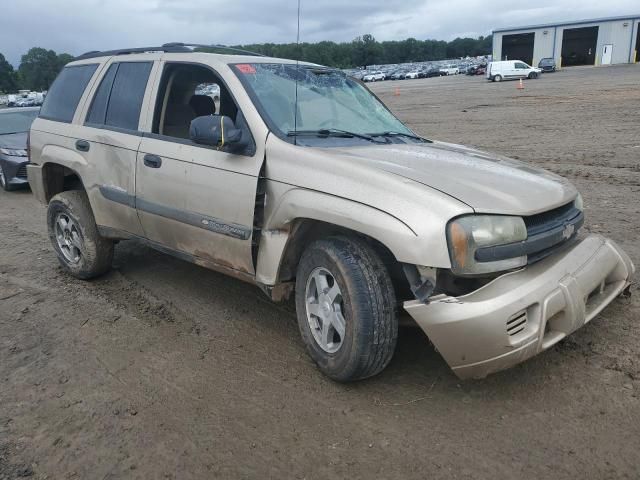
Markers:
{"x": 198, "y": 201}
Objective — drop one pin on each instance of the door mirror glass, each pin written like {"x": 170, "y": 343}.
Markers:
{"x": 214, "y": 130}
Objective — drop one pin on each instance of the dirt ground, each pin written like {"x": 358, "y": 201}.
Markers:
{"x": 162, "y": 369}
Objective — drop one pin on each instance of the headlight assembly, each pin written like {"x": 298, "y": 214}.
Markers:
{"x": 13, "y": 153}
{"x": 467, "y": 234}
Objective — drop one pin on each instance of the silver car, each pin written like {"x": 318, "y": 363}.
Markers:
{"x": 303, "y": 183}
{"x": 14, "y": 127}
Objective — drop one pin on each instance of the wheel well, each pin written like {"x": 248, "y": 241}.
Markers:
{"x": 58, "y": 178}
{"x": 306, "y": 231}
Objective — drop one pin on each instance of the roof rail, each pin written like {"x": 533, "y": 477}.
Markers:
{"x": 174, "y": 47}
{"x": 127, "y": 51}
{"x": 220, "y": 47}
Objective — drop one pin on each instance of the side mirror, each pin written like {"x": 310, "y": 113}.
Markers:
{"x": 214, "y": 130}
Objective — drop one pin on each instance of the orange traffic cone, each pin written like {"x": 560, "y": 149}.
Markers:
{"x": 521, "y": 85}
{"x": 397, "y": 92}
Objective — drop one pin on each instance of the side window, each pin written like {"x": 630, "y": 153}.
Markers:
{"x": 521, "y": 66}
{"x": 187, "y": 92}
{"x": 64, "y": 95}
{"x": 98, "y": 111}
{"x": 118, "y": 100}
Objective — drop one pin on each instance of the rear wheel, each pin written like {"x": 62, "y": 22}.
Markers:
{"x": 346, "y": 308}
{"x": 75, "y": 238}
{"x": 497, "y": 78}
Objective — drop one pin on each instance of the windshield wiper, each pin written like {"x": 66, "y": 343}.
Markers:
{"x": 399, "y": 134}
{"x": 332, "y": 132}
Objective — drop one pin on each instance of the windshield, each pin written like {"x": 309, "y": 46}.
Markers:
{"x": 16, "y": 122}
{"x": 327, "y": 100}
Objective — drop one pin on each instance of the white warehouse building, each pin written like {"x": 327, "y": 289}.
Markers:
{"x": 600, "y": 41}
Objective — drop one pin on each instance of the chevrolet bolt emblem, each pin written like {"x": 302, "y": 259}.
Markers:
{"x": 568, "y": 231}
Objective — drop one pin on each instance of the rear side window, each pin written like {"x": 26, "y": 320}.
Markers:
{"x": 98, "y": 110}
{"x": 118, "y": 100}
{"x": 65, "y": 93}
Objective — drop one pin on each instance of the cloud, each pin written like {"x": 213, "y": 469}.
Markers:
{"x": 77, "y": 26}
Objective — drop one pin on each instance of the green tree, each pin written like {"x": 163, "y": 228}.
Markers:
{"x": 365, "y": 51}
{"x": 63, "y": 59}
{"x": 8, "y": 77}
{"x": 38, "y": 68}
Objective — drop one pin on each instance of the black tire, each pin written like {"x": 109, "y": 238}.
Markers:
{"x": 96, "y": 254}
{"x": 533, "y": 75}
{"x": 497, "y": 78}
{"x": 368, "y": 306}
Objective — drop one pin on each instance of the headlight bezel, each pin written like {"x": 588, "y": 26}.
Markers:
{"x": 468, "y": 233}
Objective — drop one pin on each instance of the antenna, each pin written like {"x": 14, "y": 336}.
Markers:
{"x": 295, "y": 105}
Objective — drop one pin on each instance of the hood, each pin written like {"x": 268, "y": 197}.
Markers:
{"x": 486, "y": 182}
{"x": 14, "y": 141}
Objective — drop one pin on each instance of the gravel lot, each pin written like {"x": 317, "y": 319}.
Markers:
{"x": 162, "y": 369}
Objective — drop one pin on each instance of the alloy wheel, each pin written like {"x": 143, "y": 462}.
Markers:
{"x": 69, "y": 238}
{"x": 325, "y": 305}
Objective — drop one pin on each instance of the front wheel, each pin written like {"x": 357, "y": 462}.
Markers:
{"x": 533, "y": 75}
{"x": 346, "y": 308}
{"x": 75, "y": 238}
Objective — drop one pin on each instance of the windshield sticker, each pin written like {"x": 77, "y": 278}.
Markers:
{"x": 246, "y": 68}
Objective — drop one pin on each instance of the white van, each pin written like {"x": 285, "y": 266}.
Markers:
{"x": 511, "y": 69}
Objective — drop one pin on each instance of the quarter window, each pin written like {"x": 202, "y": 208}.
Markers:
{"x": 65, "y": 93}
{"x": 118, "y": 100}
{"x": 98, "y": 110}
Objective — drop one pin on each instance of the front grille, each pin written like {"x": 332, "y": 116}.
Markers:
{"x": 22, "y": 171}
{"x": 555, "y": 219}
{"x": 546, "y": 220}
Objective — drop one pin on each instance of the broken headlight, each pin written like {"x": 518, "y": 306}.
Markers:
{"x": 467, "y": 234}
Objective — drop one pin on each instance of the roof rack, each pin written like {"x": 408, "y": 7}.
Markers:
{"x": 216, "y": 46}
{"x": 174, "y": 47}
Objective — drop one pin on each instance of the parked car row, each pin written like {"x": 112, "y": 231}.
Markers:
{"x": 24, "y": 98}
{"x": 423, "y": 72}
{"x": 27, "y": 102}
{"x": 409, "y": 71}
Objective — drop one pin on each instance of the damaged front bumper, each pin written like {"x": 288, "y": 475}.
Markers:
{"x": 522, "y": 313}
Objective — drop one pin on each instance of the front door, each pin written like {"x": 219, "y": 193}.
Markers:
{"x": 606, "y": 54}
{"x": 194, "y": 199}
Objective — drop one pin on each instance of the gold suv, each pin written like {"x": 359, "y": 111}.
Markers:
{"x": 296, "y": 178}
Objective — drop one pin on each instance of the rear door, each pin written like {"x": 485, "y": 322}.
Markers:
{"x": 111, "y": 135}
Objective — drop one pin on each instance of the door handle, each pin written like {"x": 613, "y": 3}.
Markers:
{"x": 152, "y": 161}
{"x": 82, "y": 145}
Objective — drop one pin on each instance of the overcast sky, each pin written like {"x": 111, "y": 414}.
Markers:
{"x": 76, "y": 26}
